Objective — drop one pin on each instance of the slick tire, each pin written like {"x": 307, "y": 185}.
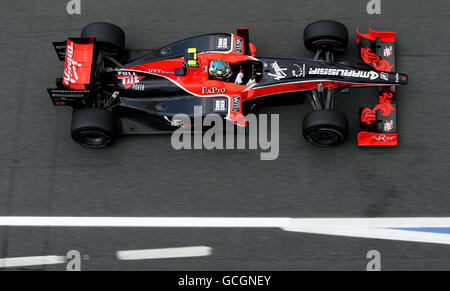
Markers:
{"x": 325, "y": 128}
{"x": 325, "y": 33}
{"x": 93, "y": 127}
{"x": 109, "y": 38}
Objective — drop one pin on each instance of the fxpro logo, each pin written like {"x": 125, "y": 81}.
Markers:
{"x": 220, "y": 136}
{"x": 344, "y": 73}
{"x": 213, "y": 90}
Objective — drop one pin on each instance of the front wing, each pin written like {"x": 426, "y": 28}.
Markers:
{"x": 379, "y": 122}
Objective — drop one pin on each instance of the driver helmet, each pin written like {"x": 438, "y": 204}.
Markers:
{"x": 219, "y": 69}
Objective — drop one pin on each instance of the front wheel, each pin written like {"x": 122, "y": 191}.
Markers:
{"x": 325, "y": 33}
{"x": 325, "y": 128}
{"x": 93, "y": 127}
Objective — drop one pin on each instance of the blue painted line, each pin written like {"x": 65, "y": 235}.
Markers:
{"x": 445, "y": 230}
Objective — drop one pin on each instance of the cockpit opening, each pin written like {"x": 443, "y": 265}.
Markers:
{"x": 242, "y": 73}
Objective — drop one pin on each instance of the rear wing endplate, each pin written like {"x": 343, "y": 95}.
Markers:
{"x": 73, "y": 87}
{"x": 60, "y": 48}
{"x": 68, "y": 97}
{"x": 78, "y": 63}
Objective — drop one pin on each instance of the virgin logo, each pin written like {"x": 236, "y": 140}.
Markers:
{"x": 69, "y": 59}
{"x": 70, "y": 71}
{"x": 383, "y": 137}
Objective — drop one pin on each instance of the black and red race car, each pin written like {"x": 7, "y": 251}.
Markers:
{"x": 112, "y": 92}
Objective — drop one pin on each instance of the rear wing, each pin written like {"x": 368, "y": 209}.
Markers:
{"x": 60, "y": 48}
{"x": 379, "y": 123}
{"x": 68, "y": 97}
{"x": 77, "y": 54}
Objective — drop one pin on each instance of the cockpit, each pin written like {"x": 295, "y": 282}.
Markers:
{"x": 241, "y": 73}
{"x": 232, "y": 68}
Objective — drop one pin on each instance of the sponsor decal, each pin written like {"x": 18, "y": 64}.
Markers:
{"x": 220, "y": 105}
{"x": 372, "y": 59}
{"x": 69, "y": 91}
{"x": 77, "y": 66}
{"x": 159, "y": 71}
{"x": 384, "y": 137}
{"x": 236, "y": 104}
{"x": 383, "y": 65}
{"x": 279, "y": 72}
{"x": 130, "y": 79}
{"x": 138, "y": 87}
{"x": 299, "y": 72}
{"x": 68, "y": 94}
{"x": 384, "y": 76}
{"x": 397, "y": 78}
{"x": 388, "y": 125}
{"x": 238, "y": 45}
{"x": 70, "y": 70}
{"x": 368, "y": 115}
{"x": 344, "y": 73}
{"x": 222, "y": 43}
{"x": 385, "y": 105}
{"x": 387, "y": 52}
{"x": 214, "y": 90}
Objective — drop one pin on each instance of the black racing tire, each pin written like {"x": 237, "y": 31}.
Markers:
{"x": 325, "y": 33}
{"x": 325, "y": 128}
{"x": 110, "y": 39}
{"x": 93, "y": 127}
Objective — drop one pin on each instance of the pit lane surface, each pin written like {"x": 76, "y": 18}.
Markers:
{"x": 43, "y": 173}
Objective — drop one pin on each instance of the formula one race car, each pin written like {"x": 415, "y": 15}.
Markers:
{"x": 114, "y": 93}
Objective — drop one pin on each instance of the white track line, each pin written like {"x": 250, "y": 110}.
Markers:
{"x": 142, "y": 221}
{"x": 378, "y": 228}
{"x": 165, "y": 253}
{"x": 31, "y": 261}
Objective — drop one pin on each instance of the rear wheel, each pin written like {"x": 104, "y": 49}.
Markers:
{"x": 110, "y": 38}
{"x": 327, "y": 33}
{"x": 325, "y": 128}
{"x": 93, "y": 127}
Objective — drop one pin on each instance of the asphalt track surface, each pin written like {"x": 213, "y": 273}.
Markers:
{"x": 44, "y": 173}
